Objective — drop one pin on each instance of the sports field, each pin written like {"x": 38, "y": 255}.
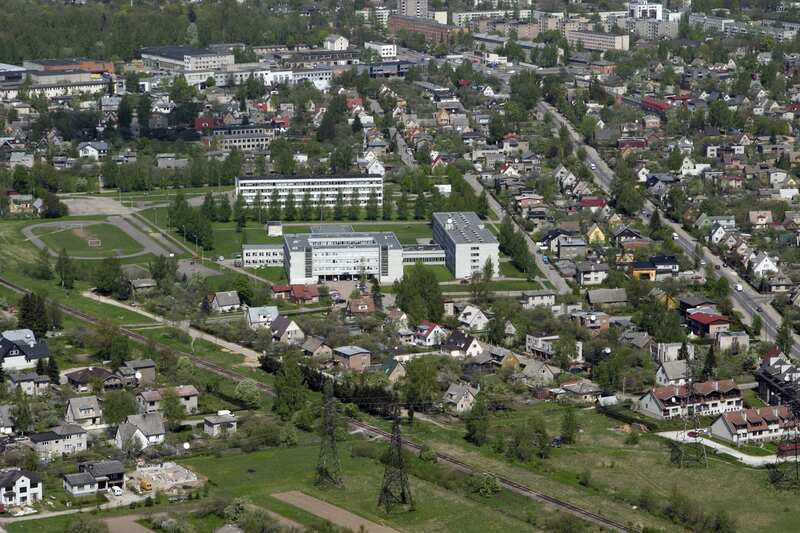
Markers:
{"x": 89, "y": 240}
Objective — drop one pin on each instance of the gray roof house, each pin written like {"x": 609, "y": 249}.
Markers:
{"x": 60, "y": 440}
{"x": 142, "y": 430}
{"x": 84, "y": 411}
{"x": 672, "y": 373}
{"x": 460, "y": 396}
{"x": 224, "y": 301}
{"x": 607, "y": 297}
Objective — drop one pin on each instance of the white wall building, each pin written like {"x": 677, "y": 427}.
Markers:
{"x": 642, "y": 9}
{"x": 184, "y": 58}
{"x": 384, "y": 50}
{"x": 335, "y": 42}
{"x": 311, "y": 257}
{"x": 467, "y": 243}
{"x": 258, "y": 255}
{"x": 324, "y": 189}
{"x": 20, "y": 487}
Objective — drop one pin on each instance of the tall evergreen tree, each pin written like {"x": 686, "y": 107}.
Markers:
{"x": 209, "y": 208}
{"x": 307, "y": 207}
{"x": 388, "y": 205}
{"x": 275, "y": 208}
{"x": 354, "y": 207}
{"x": 289, "y": 208}
{"x": 402, "y": 207}
{"x": 223, "y": 209}
{"x": 42, "y": 268}
{"x": 784, "y": 339}
{"x": 372, "y": 209}
{"x": 477, "y": 422}
{"x": 339, "y": 207}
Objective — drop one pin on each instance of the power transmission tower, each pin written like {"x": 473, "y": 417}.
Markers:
{"x": 328, "y": 467}
{"x": 395, "y": 489}
{"x": 785, "y": 473}
{"x": 691, "y": 450}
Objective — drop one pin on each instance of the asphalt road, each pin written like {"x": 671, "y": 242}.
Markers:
{"x": 552, "y": 276}
{"x": 748, "y": 301}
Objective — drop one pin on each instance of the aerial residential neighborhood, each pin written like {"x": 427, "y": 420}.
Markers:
{"x": 399, "y": 266}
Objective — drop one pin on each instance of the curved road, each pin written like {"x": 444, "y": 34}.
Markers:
{"x": 148, "y": 244}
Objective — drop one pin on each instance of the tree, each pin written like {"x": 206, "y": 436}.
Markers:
{"x": 109, "y": 278}
{"x": 289, "y": 208}
{"x": 419, "y": 386}
{"x": 32, "y": 314}
{"x": 172, "y": 409}
{"x": 209, "y": 207}
{"x": 372, "y": 209}
{"x": 386, "y": 212}
{"x": 477, "y": 422}
{"x": 338, "y": 207}
{"x": 710, "y": 364}
{"x": 569, "y": 426}
{"x": 65, "y": 270}
{"x": 52, "y": 370}
{"x": 290, "y": 392}
{"x": 307, "y": 207}
{"x": 482, "y": 208}
{"x": 23, "y": 418}
{"x": 756, "y": 326}
{"x": 275, "y": 209}
{"x": 83, "y": 524}
{"x": 117, "y": 405}
{"x": 402, "y": 207}
{"x": 223, "y": 209}
{"x": 540, "y": 438}
{"x": 247, "y": 393}
{"x": 419, "y": 294}
{"x": 655, "y": 224}
{"x": 784, "y": 339}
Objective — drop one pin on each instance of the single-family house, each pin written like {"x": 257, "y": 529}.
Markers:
{"x": 351, "y": 357}
{"x": 709, "y": 325}
{"x": 93, "y": 150}
{"x": 429, "y": 334}
{"x": 672, "y": 373}
{"x": 286, "y": 330}
{"x": 20, "y": 487}
{"x": 141, "y": 431}
{"x": 473, "y": 318}
{"x": 19, "y": 350}
{"x": 144, "y": 370}
{"x": 82, "y": 380}
{"x": 261, "y": 317}
{"x": 224, "y": 301}
{"x": 733, "y": 341}
{"x": 460, "y": 397}
{"x": 222, "y": 424}
{"x": 315, "y": 346}
{"x": 607, "y": 297}
{"x": 84, "y": 411}
{"x": 29, "y": 383}
{"x": 461, "y": 344}
{"x": 537, "y": 298}
{"x": 95, "y": 477}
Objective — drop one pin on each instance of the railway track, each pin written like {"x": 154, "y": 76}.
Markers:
{"x": 369, "y": 430}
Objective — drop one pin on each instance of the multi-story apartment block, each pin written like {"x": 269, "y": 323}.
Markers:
{"x": 322, "y": 189}
{"x": 185, "y": 58}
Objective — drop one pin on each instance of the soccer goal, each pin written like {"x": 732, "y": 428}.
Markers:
{"x": 95, "y": 243}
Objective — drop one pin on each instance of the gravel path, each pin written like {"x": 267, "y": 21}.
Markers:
{"x": 331, "y": 513}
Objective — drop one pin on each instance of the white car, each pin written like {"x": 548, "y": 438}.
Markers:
{"x": 116, "y": 491}
{"x": 674, "y": 236}
{"x": 593, "y": 166}
{"x": 739, "y": 287}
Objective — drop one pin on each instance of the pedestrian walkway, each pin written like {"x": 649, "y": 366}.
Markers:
{"x": 749, "y": 460}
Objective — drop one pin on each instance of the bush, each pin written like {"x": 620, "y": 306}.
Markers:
{"x": 585, "y": 478}
{"x": 632, "y": 438}
{"x": 484, "y": 484}
{"x": 427, "y": 454}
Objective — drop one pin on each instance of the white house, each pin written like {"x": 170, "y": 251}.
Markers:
{"x": 261, "y": 317}
{"x": 384, "y": 50}
{"x": 460, "y": 397}
{"x": 142, "y": 430}
{"x": 473, "y": 318}
{"x": 690, "y": 168}
{"x": 460, "y": 344}
{"x": 225, "y": 301}
{"x": 430, "y": 334}
{"x": 336, "y": 43}
{"x": 20, "y": 487}
{"x": 672, "y": 373}
{"x": 763, "y": 265}
{"x": 93, "y": 150}
{"x": 19, "y": 349}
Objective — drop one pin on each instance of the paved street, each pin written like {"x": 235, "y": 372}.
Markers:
{"x": 748, "y": 301}
{"x": 552, "y": 276}
{"x": 749, "y": 460}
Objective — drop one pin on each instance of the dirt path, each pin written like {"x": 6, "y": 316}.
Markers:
{"x": 126, "y": 524}
{"x": 250, "y": 356}
{"x": 331, "y": 513}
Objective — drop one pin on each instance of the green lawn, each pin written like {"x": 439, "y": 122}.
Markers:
{"x": 112, "y": 240}
{"x": 501, "y": 285}
{"x": 441, "y": 272}
{"x": 275, "y": 274}
{"x": 259, "y": 475}
{"x": 508, "y": 269}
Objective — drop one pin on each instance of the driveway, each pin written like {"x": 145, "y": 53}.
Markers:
{"x": 331, "y": 513}
{"x": 749, "y": 460}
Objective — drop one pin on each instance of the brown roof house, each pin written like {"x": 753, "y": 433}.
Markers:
{"x": 710, "y": 398}
{"x": 286, "y": 330}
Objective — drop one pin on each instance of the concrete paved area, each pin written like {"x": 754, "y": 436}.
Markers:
{"x": 331, "y": 513}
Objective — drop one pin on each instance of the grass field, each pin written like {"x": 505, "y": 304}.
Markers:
{"x": 501, "y": 285}
{"x": 108, "y": 239}
{"x": 261, "y": 474}
{"x": 442, "y": 272}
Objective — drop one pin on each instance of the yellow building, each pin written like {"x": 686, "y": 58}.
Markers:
{"x": 595, "y": 235}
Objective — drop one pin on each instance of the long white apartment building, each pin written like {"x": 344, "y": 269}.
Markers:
{"x": 258, "y": 255}
{"x": 467, "y": 243}
{"x": 185, "y": 58}
{"x": 315, "y": 257}
{"x": 323, "y": 189}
